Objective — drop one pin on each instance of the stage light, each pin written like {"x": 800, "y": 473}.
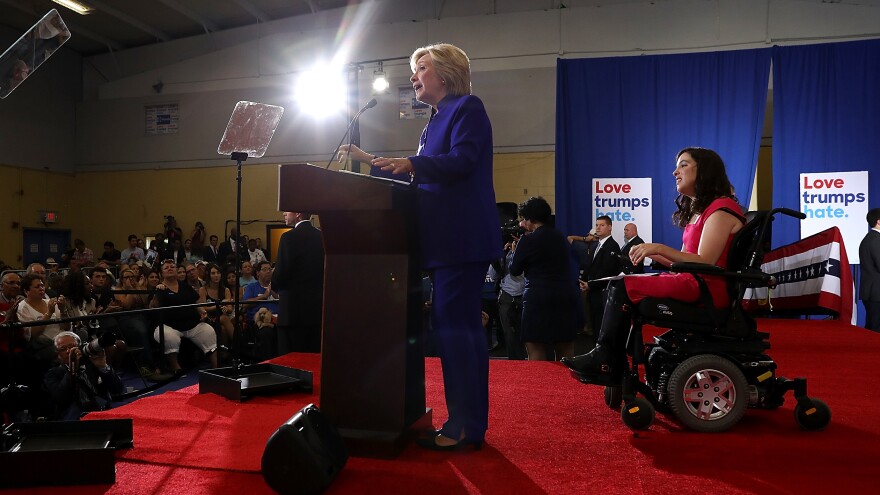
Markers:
{"x": 380, "y": 81}
{"x": 321, "y": 91}
{"x": 76, "y": 6}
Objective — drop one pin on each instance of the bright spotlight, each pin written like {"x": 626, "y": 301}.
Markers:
{"x": 380, "y": 81}
{"x": 321, "y": 91}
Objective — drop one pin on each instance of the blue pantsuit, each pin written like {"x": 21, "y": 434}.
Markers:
{"x": 459, "y": 234}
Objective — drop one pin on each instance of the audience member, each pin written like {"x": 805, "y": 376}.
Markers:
{"x": 133, "y": 253}
{"x": 548, "y": 316}
{"x": 53, "y": 284}
{"x": 79, "y": 385}
{"x": 172, "y": 231}
{"x": 10, "y": 295}
{"x": 135, "y": 328}
{"x": 11, "y": 289}
{"x": 231, "y": 277}
{"x": 215, "y": 291}
{"x": 256, "y": 254}
{"x": 192, "y": 277}
{"x": 36, "y": 269}
{"x": 52, "y": 265}
{"x": 81, "y": 255}
{"x": 247, "y": 274}
{"x": 264, "y": 298}
{"x": 37, "y": 307}
{"x": 189, "y": 254}
{"x": 181, "y": 322}
{"x": 111, "y": 255}
{"x": 197, "y": 236}
{"x": 227, "y": 250}
{"x": 75, "y": 301}
{"x": 175, "y": 252}
{"x": 210, "y": 253}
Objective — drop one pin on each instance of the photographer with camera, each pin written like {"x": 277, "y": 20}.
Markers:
{"x": 197, "y": 238}
{"x": 172, "y": 231}
{"x": 82, "y": 381}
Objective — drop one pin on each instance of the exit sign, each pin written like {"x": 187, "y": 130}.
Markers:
{"x": 48, "y": 216}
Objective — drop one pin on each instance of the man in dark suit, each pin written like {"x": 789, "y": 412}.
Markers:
{"x": 226, "y": 252}
{"x": 869, "y": 258}
{"x": 604, "y": 261}
{"x": 631, "y": 238}
{"x": 211, "y": 252}
{"x": 299, "y": 280}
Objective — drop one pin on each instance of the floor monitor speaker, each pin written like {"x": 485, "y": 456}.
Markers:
{"x": 304, "y": 455}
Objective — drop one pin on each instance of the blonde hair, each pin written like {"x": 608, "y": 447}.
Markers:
{"x": 451, "y": 63}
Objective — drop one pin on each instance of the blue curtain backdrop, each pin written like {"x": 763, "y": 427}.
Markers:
{"x": 628, "y": 116}
{"x": 826, "y": 118}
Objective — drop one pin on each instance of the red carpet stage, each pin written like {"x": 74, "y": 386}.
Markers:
{"x": 548, "y": 434}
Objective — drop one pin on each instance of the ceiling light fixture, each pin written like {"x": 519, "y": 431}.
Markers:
{"x": 76, "y": 6}
{"x": 380, "y": 80}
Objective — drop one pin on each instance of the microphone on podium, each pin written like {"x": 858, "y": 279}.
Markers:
{"x": 370, "y": 104}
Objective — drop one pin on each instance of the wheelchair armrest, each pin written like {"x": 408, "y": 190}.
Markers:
{"x": 692, "y": 267}
{"x": 753, "y": 277}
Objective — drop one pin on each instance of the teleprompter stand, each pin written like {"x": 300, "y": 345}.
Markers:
{"x": 247, "y": 134}
{"x": 372, "y": 352}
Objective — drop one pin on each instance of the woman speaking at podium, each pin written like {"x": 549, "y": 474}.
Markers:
{"x": 458, "y": 231}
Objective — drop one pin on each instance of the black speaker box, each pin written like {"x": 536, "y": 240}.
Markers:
{"x": 304, "y": 455}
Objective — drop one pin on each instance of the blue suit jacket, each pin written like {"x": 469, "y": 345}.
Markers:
{"x": 458, "y": 219}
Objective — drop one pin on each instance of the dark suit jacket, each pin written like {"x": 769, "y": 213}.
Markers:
{"x": 225, "y": 252}
{"x": 869, "y": 258}
{"x": 299, "y": 277}
{"x": 640, "y": 268}
{"x": 209, "y": 255}
{"x": 605, "y": 263}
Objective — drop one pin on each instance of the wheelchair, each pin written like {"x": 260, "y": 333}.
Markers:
{"x": 710, "y": 364}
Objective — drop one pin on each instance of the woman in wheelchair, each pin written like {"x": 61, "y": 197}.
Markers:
{"x": 710, "y": 216}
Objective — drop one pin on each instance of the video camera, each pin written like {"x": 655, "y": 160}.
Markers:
{"x": 510, "y": 230}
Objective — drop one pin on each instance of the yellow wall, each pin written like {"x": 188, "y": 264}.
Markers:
{"x": 23, "y": 192}
{"x": 100, "y": 206}
{"x": 519, "y": 176}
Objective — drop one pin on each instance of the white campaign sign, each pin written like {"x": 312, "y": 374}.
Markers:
{"x": 625, "y": 201}
{"x": 836, "y": 199}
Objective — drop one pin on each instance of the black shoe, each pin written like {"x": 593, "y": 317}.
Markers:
{"x": 431, "y": 444}
{"x": 596, "y": 366}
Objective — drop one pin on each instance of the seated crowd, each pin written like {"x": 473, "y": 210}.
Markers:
{"x": 67, "y": 367}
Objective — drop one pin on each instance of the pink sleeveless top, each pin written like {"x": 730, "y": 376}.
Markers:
{"x": 683, "y": 286}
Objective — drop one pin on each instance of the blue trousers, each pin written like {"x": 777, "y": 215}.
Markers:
{"x": 461, "y": 343}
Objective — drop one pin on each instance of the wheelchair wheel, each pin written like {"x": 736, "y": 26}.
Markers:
{"x": 708, "y": 393}
{"x": 813, "y": 417}
{"x": 613, "y": 397}
{"x": 637, "y": 414}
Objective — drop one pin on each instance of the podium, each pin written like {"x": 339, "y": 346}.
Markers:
{"x": 372, "y": 384}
